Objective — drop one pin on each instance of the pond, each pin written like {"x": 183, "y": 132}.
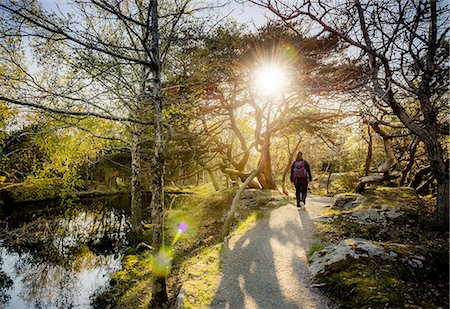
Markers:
{"x": 54, "y": 256}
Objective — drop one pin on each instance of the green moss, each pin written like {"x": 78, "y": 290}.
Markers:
{"x": 347, "y": 229}
{"x": 132, "y": 284}
{"x": 202, "y": 277}
{"x": 332, "y": 212}
{"x": 284, "y": 201}
{"x": 367, "y": 284}
{"x": 315, "y": 248}
{"x": 399, "y": 192}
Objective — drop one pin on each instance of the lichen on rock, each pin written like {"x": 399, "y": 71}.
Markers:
{"x": 352, "y": 248}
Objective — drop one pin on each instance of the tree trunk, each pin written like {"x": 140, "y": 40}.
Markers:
{"x": 442, "y": 204}
{"x": 235, "y": 175}
{"x": 418, "y": 177}
{"x": 136, "y": 190}
{"x": 385, "y": 168}
{"x": 426, "y": 187}
{"x": 412, "y": 156}
{"x": 439, "y": 168}
{"x": 286, "y": 171}
{"x": 159, "y": 159}
{"x": 287, "y": 168}
{"x": 369, "y": 153}
{"x": 265, "y": 176}
{"x": 329, "y": 181}
{"x": 213, "y": 178}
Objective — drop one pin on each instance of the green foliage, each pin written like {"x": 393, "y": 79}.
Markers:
{"x": 32, "y": 190}
{"x": 315, "y": 248}
{"x": 71, "y": 182}
{"x": 346, "y": 183}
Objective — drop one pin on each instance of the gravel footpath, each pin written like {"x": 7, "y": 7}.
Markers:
{"x": 267, "y": 267}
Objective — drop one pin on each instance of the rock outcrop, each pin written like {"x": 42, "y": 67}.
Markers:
{"x": 347, "y": 249}
{"x": 346, "y": 201}
{"x": 265, "y": 198}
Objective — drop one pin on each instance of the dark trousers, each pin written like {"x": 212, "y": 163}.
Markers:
{"x": 301, "y": 187}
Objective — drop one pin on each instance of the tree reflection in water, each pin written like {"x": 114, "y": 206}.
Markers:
{"x": 56, "y": 257}
{"x": 5, "y": 284}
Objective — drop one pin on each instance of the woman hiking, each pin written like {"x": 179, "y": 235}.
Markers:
{"x": 300, "y": 174}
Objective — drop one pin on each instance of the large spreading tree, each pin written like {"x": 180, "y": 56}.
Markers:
{"x": 404, "y": 48}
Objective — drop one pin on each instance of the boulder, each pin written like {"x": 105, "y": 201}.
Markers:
{"x": 335, "y": 257}
{"x": 374, "y": 216}
{"x": 180, "y": 299}
{"x": 352, "y": 248}
{"x": 268, "y": 198}
{"x": 346, "y": 201}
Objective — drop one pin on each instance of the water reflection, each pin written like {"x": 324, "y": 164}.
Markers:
{"x": 56, "y": 257}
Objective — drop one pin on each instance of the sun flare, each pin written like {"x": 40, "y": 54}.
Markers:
{"x": 270, "y": 79}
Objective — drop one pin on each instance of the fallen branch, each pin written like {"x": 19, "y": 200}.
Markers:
{"x": 242, "y": 176}
{"x": 234, "y": 204}
{"x": 384, "y": 168}
{"x": 372, "y": 179}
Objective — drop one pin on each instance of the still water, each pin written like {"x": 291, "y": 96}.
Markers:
{"x": 59, "y": 256}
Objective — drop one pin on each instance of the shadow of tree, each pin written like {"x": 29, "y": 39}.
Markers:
{"x": 267, "y": 266}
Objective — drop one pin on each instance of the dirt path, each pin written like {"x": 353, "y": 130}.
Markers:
{"x": 267, "y": 267}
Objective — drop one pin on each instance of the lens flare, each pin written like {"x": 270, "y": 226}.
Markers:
{"x": 162, "y": 261}
{"x": 182, "y": 228}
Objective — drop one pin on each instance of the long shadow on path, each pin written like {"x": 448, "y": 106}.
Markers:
{"x": 267, "y": 267}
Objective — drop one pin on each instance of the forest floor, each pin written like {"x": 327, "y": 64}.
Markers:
{"x": 268, "y": 266}
{"x": 264, "y": 263}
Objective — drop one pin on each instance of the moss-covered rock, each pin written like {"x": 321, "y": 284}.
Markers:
{"x": 255, "y": 198}
{"x": 401, "y": 263}
{"x": 346, "y": 201}
{"x": 365, "y": 274}
{"x": 353, "y": 248}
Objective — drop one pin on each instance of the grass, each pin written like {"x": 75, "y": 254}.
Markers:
{"x": 314, "y": 248}
{"x": 32, "y": 190}
{"x": 201, "y": 277}
{"x": 200, "y": 274}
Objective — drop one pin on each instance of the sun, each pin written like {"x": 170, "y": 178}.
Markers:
{"x": 270, "y": 79}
